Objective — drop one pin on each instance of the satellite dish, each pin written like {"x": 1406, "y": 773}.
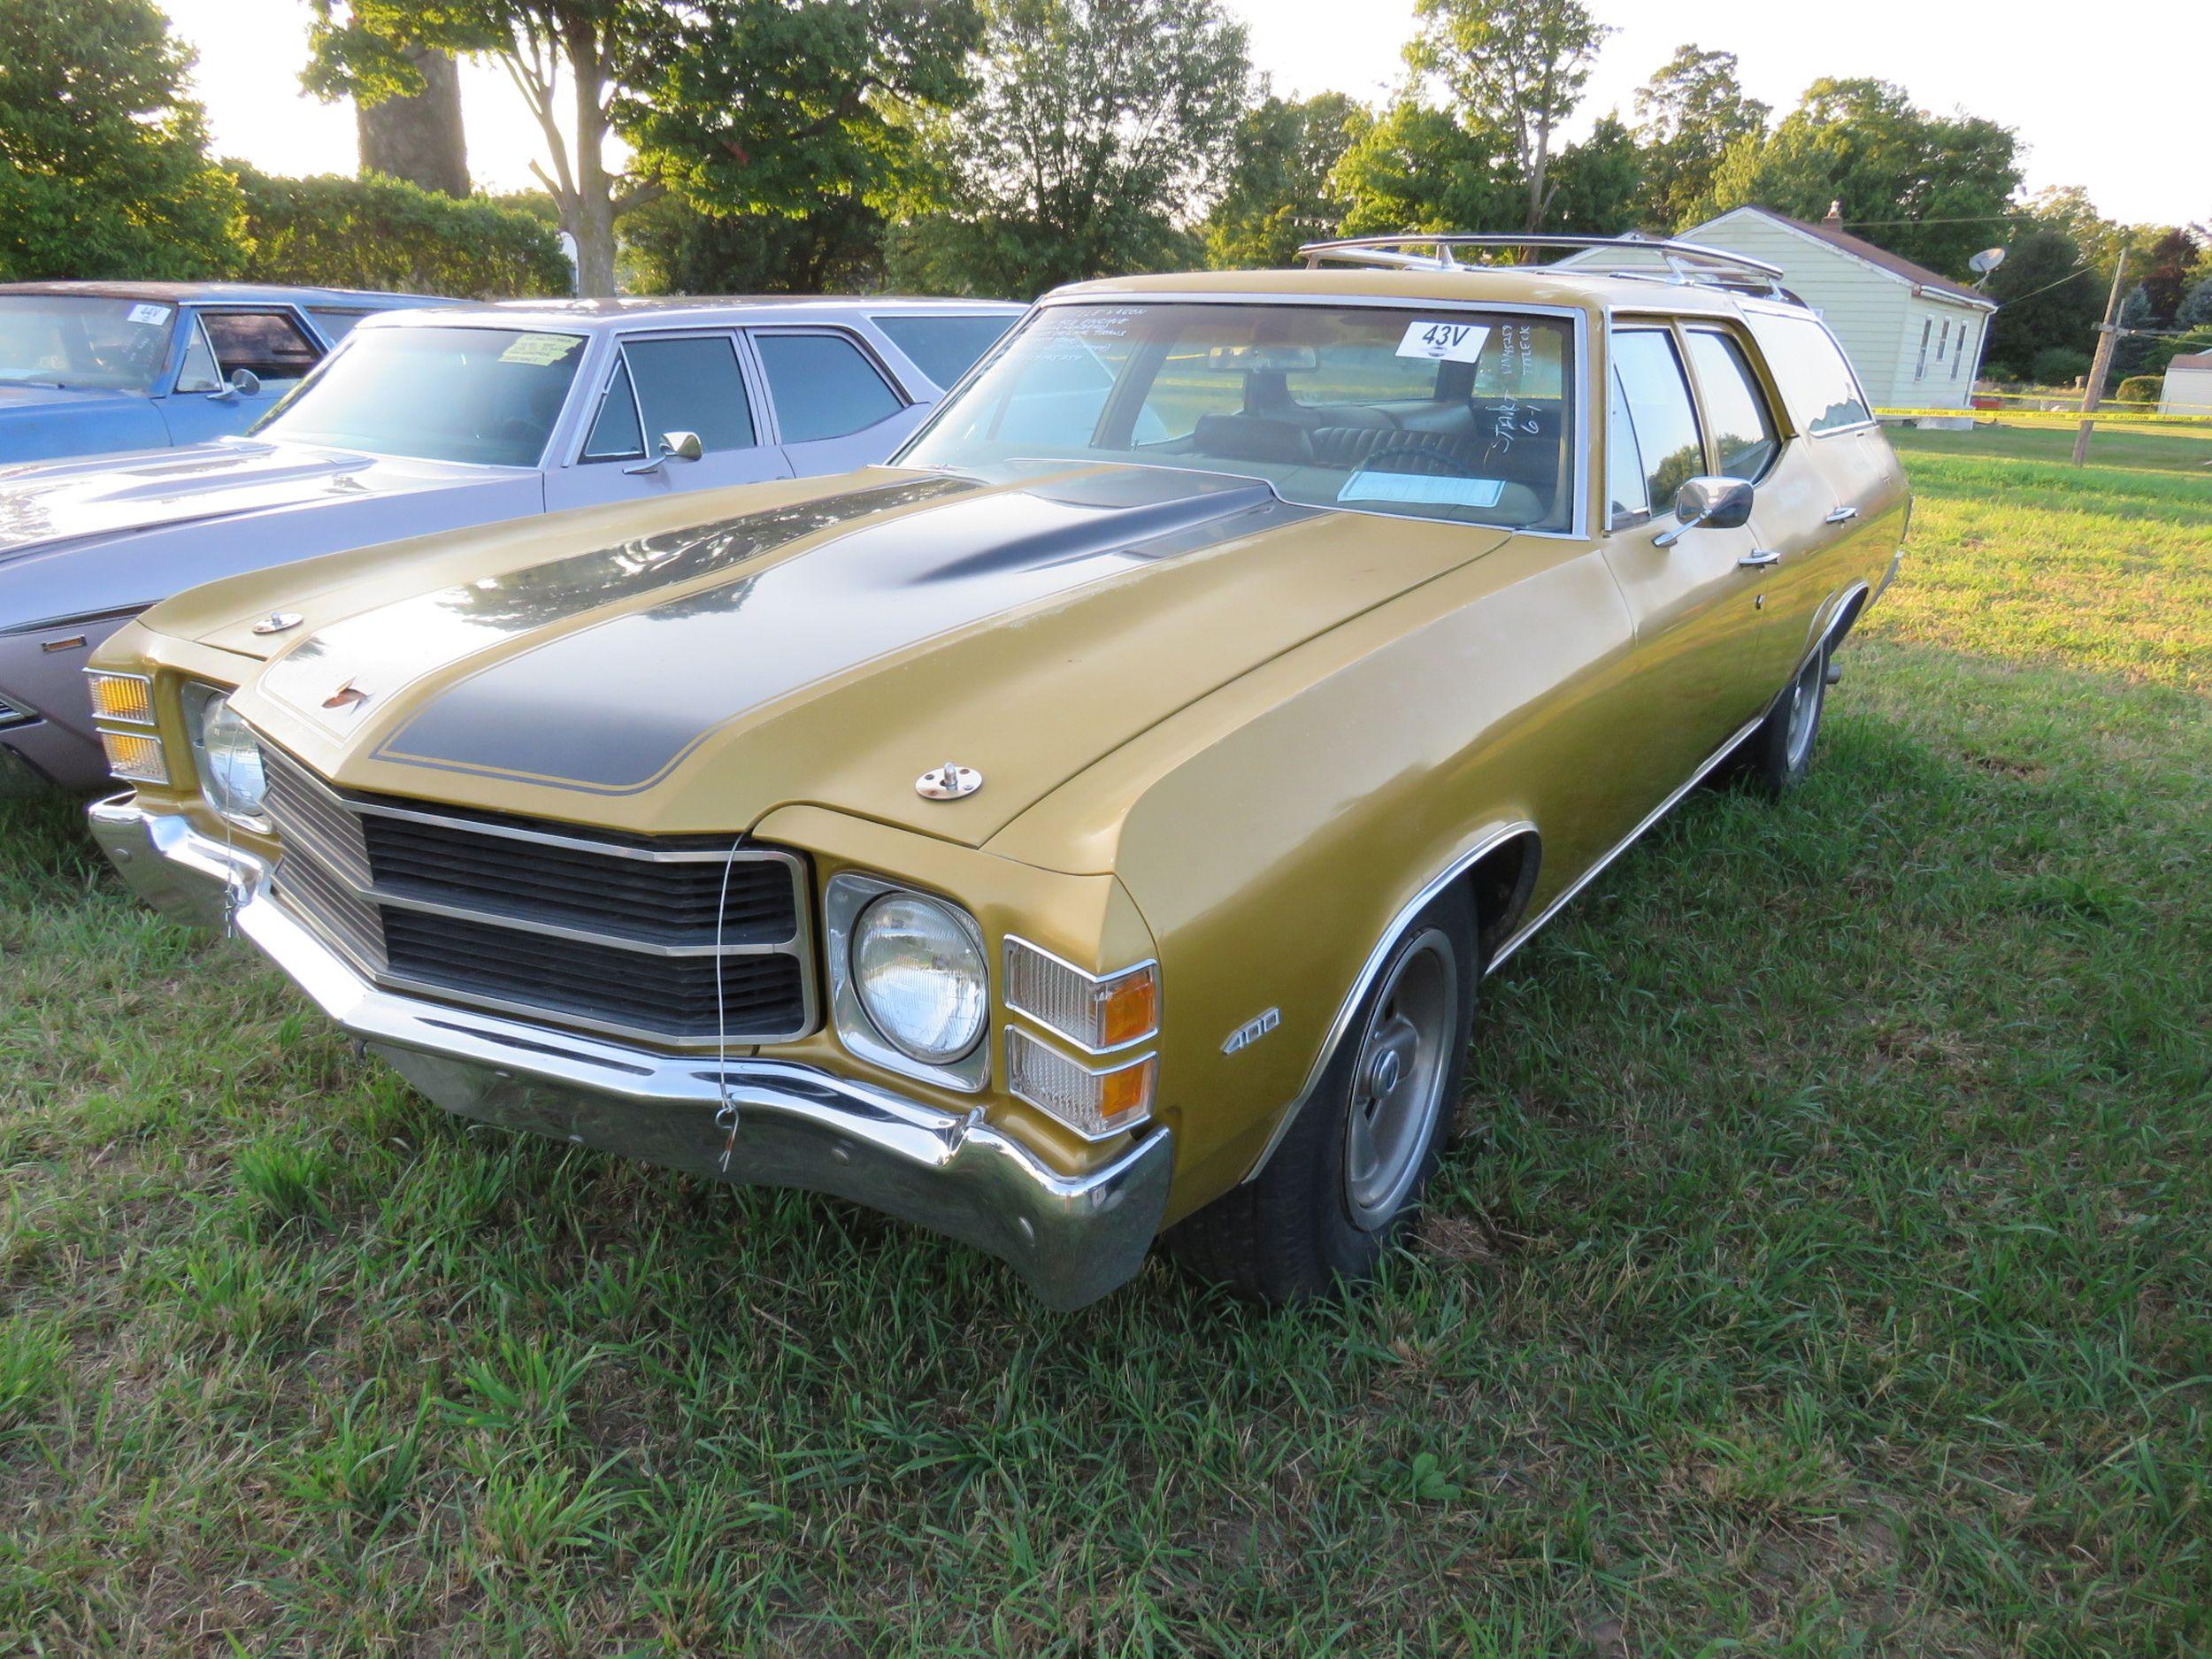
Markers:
{"x": 1983, "y": 262}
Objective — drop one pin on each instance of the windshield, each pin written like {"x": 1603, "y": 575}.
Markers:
{"x": 491, "y": 395}
{"x": 91, "y": 345}
{"x": 1436, "y": 413}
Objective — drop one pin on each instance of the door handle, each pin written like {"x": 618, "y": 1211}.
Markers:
{"x": 1759, "y": 558}
{"x": 1842, "y": 515}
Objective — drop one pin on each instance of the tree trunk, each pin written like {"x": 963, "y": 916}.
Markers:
{"x": 594, "y": 215}
{"x": 419, "y": 138}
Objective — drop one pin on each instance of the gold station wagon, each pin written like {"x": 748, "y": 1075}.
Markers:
{"x": 1090, "y": 826}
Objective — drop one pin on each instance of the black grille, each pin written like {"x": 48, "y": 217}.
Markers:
{"x": 762, "y": 995}
{"x": 666, "y": 902}
{"x": 681, "y": 939}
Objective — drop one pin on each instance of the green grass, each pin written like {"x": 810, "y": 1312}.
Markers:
{"x": 1824, "y": 1266}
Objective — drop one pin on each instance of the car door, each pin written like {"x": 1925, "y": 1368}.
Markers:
{"x": 270, "y": 343}
{"x": 1855, "y": 490}
{"x": 1697, "y": 671}
{"x": 657, "y": 386}
{"x": 834, "y": 406}
{"x": 1789, "y": 505}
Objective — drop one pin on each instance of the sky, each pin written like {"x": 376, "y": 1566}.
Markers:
{"x": 2019, "y": 63}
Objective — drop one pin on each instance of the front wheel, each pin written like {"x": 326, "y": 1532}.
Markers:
{"x": 1347, "y": 1180}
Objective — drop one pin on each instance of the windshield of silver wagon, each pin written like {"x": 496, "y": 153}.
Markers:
{"x": 1438, "y": 413}
{"x": 435, "y": 393}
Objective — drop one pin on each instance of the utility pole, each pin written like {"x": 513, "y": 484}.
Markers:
{"x": 2107, "y": 332}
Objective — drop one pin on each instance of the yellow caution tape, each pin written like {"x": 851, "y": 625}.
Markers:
{"x": 2104, "y": 414}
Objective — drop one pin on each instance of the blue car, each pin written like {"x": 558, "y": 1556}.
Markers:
{"x": 87, "y": 368}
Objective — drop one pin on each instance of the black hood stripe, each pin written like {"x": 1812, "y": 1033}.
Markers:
{"x": 614, "y": 707}
{"x": 386, "y": 649}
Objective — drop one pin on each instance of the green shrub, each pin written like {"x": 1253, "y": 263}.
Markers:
{"x": 383, "y": 233}
{"x": 2140, "y": 388}
{"x": 2059, "y": 365}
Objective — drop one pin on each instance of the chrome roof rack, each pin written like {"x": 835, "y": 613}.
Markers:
{"x": 1687, "y": 264}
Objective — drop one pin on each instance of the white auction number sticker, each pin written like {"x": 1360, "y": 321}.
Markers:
{"x": 151, "y": 315}
{"x": 1444, "y": 341}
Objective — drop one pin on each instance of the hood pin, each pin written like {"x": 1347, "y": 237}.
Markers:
{"x": 278, "y": 622}
{"x": 948, "y": 782}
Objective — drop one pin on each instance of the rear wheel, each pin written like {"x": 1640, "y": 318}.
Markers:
{"x": 1348, "y": 1179}
{"x": 1775, "y": 758}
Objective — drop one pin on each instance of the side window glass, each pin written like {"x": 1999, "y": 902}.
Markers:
{"x": 823, "y": 387}
{"x": 269, "y": 343}
{"x": 336, "y": 324}
{"x": 198, "y": 374}
{"x": 1810, "y": 367}
{"x": 1733, "y": 407}
{"x": 943, "y": 348}
{"x": 691, "y": 385}
{"x": 1666, "y": 419}
{"x": 1624, "y": 463}
{"x": 616, "y": 435}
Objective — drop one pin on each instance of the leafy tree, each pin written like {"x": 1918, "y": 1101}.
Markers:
{"x": 381, "y": 233}
{"x": 745, "y": 106}
{"x": 103, "y": 169}
{"x": 1517, "y": 65}
{"x": 2166, "y": 273}
{"x": 2195, "y": 309}
{"x": 1097, "y": 127}
{"x": 796, "y": 107}
{"x": 1933, "y": 188}
{"x": 360, "y": 49}
{"x": 1597, "y": 183}
{"x": 1276, "y": 194}
{"x": 2130, "y": 351}
{"x": 671, "y": 248}
{"x": 1415, "y": 168}
{"x": 2048, "y": 295}
{"x": 1687, "y": 116}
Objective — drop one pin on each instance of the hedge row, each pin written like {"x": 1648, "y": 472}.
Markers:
{"x": 383, "y": 233}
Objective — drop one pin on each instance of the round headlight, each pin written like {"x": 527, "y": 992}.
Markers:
{"x": 231, "y": 774}
{"x": 920, "y": 973}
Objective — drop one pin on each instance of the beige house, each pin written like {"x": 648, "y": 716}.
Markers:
{"x": 1916, "y": 337}
{"x": 2188, "y": 388}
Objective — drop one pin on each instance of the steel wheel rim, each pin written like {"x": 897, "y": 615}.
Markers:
{"x": 1805, "y": 694}
{"x": 1398, "y": 1079}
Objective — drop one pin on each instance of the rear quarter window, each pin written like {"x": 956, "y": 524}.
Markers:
{"x": 1817, "y": 382}
{"x": 944, "y": 348}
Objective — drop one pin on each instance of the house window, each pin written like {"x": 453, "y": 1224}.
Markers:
{"x": 1964, "y": 329}
{"x": 1927, "y": 327}
{"x": 1943, "y": 340}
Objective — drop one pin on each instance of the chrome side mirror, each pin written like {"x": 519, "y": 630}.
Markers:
{"x": 675, "y": 446}
{"x": 1710, "y": 503}
{"x": 242, "y": 383}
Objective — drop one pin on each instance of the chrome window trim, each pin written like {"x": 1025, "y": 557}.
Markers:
{"x": 1575, "y": 317}
{"x": 844, "y": 897}
{"x": 1006, "y": 973}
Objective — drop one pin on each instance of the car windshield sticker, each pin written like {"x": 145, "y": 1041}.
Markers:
{"x": 1444, "y": 341}
{"x": 1422, "y": 489}
{"x": 151, "y": 316}
{"x": 539, "y": 351}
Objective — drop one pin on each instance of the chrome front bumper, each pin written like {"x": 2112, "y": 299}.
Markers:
{"x": 1071, "y": 1238}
